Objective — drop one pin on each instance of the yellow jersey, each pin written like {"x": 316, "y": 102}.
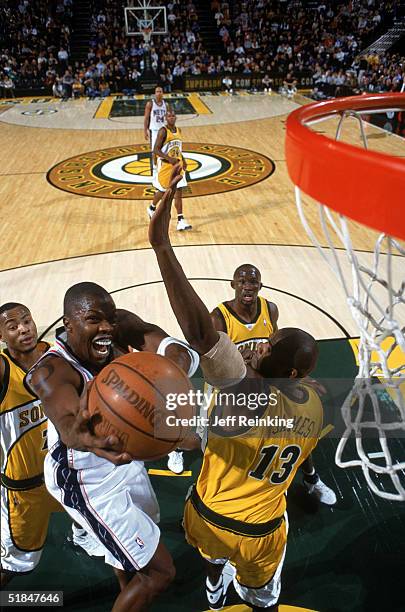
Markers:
{"x": 23, "y": 430}
{"x": 173, "y": 147}
{"x": 248, "y": 334}
{"x": 245, "y": 476}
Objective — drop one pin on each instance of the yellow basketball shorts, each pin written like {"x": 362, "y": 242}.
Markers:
{"x": 256, "y": 559}
{"x": 162, "y": 179}
{"x": 24, "y": 525}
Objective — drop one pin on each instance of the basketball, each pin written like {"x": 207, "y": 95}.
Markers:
{"x": 129, "y": 399}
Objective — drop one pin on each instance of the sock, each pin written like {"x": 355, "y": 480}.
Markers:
{"x": 179, "y": 217}
{"x": 311, "y": 478}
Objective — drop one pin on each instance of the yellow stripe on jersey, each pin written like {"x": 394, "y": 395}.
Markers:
{"x": 23, "y": 426}
{"x": 242, "y": 333}
{"x": 245, "y": 476}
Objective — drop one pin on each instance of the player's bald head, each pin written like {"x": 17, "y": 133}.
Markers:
{"x": 247, "y": 269}
{"x": 80, "y": 295}
{"x": 293, "y": 353}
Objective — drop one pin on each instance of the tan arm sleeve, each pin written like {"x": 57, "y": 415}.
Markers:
{"x": 223, "y": 365}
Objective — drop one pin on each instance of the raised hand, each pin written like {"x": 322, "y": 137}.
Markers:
{"x": 159, "y": 224}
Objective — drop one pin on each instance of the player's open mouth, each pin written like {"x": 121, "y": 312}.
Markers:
{"x": 248, "y": 297}
{"x": 102, "y": 345}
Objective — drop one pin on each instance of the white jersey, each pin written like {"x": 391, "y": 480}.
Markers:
{"x": 116, "y": 503}
{"x": 79, "y": 460}
{"x": 157, "y": 115}
{"x": 96, "y": 468}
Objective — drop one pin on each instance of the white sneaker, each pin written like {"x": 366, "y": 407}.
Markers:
{"x": 150, "y": 211}
{"x": 322, "y": 492}
{"x": 175, "y": 462}
{"x": 81, "y": 537}
{"x": 183, "y": 225}
{"x": 216, "y": 594}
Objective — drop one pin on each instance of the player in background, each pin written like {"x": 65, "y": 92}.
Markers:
{"x": 169, "y": 151}
{"x": 25, "y": 519}
{"x": 249, "y": 319}
{"x": 154, "y": 119}
{"x": 25, "y": 503}
{"x": 235, "y": 515}
{"x": 97, "y": 483}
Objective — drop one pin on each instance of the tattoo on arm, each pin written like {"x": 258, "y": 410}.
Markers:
{"x": 41, "y": 375}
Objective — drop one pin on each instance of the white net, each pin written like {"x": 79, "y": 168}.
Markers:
{"x": 374, "y": 410}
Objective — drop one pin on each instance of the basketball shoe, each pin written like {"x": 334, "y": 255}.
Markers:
{"x": 175, "y": 462}
{"x": 182, "y": 225}
{"x": 81, "y": 537}
{"x": 216, "y": 594}
{"x": 151, "y": 211}
{"x": 321, "y": 491}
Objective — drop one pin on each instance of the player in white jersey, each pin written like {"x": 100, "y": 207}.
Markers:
{"x": 154, "y": 119}
{"x": 99, "y": 485}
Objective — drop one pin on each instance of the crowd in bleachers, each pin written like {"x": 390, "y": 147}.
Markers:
{"x": 369, "y": 74}
{"x": 34, "y": 42}
{"x": 273, "y": 37}
{"x": 278, "y": 36}
{"x": 116, "y": 61}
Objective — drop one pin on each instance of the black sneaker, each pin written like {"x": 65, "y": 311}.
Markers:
{"x": 216, "y": 596}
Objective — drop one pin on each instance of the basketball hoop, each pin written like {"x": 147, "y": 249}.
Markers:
{"x": 357, "y": 184}
{"x": 143, "y": 15}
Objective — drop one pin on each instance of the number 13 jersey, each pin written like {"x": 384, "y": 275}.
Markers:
{"x": 244, "y": 476}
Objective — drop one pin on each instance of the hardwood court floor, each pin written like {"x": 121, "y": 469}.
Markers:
{"x": 42, "y": 223}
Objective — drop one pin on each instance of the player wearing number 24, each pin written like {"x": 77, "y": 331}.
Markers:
{"x": 236, "y": 513}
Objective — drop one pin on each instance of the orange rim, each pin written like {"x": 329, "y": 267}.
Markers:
{"x": 366, "y": 186}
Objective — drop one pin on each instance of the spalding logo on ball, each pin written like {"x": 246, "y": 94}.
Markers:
{"x": 128, "y": 399}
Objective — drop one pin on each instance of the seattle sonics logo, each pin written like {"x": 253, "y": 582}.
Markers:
{"x": 124, "y": 173}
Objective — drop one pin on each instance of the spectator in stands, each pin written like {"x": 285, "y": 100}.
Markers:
{"x": 228, "y": 84}
{"x": 67, "y": 82}
{"x": 289, "y": 88}
{"x": 266, "y": 83}
{"x": 58, "y": 89}
{"x": 7, "y": 86}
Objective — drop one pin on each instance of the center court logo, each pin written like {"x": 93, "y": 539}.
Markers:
{"x": 124, "y": 173}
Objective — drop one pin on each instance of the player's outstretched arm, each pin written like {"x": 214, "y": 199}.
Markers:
{"x": 57, "y": 386}
{"x": 132, "y": 331}
{"x": 139, "y": 334}
{"x": 191, "y": 313}
{"x": 218, "y": 320}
